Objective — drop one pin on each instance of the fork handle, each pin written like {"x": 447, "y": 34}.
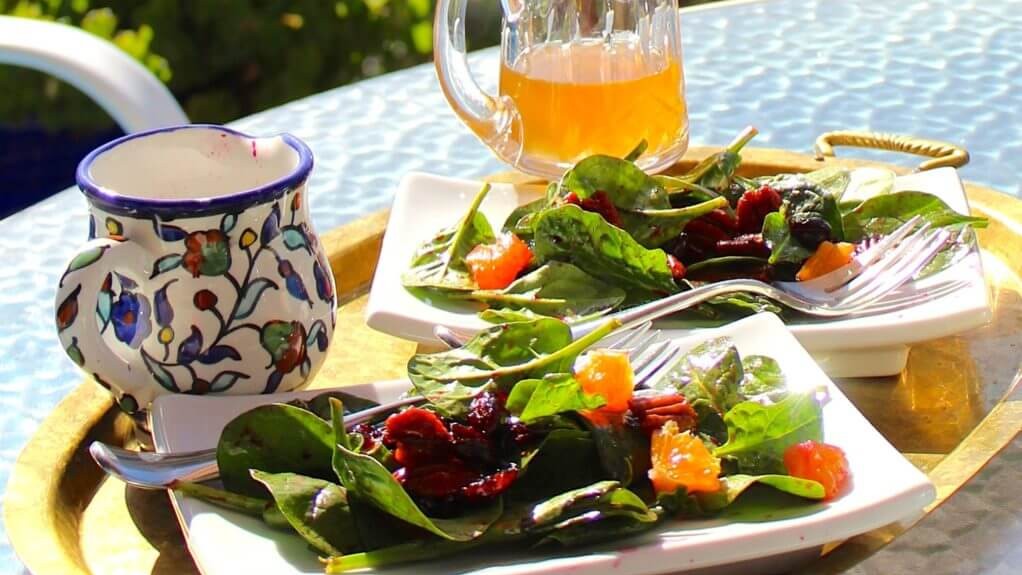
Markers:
{"x": 665, "y": 306}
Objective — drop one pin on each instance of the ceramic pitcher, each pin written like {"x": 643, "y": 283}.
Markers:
{"x": 202, "y": 273}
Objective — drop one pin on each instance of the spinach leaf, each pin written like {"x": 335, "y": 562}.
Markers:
{"x": 627, "y": 186}
{"x": 759, "y": 434}
{"x": 566, "y": 459}
{"x": 602, "y": 496}
{"x": 637, "y": 151}
{"x": 733, "y": 486}
{"x": 316, "y": 509}
{"x": 500, "y": 356}
{"x": 251, "y": 506}
{"x": 832, "y": 180}
{"x": 366, "y": 478}
{"x": 762, "y": 380}
{"x": 721, "y": 171}
{"x": 320, "y": 404}
{"x": 519, "y": 222}
{"x": 783, "y": 247}
{"x": 655, "y": 227}
{"x": 623, "y": 449}
{"x": 710, "y": 373}
{"x": 440, "y": 262}
{"x": 555, "y": 289}
{"x": 254, "y": 440}
{"x": 867, "y": 183}
{"x": 598, "y": 527}
{"x": 882, "y": 214}
{"x": 585, "y": 239}
{"x": 726, "y": 267}
{"x": 493, "y": 315}
{"x": 531, "y": 399}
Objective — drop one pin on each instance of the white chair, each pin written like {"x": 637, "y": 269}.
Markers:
{"x": 125, "y": 89}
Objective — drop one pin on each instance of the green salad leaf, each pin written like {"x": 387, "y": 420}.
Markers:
{"x": 759, "y": 434}
{"x": 783, "y": 247}
{"x": 762, "y": 379}
{"x": 566, "y": 459}
{"x": 531, "y": 399}
{"x": 585, "y": 239}
{"x": 732, "y": 486}
{"x": 316, "y": 509}
{"x": 627, "y": 186}
{"x": 253, "y": 440}
{"x": 504, "y": 315}
{"x": 831, "y": 181}
{"x": 555, "y": 289}
{"x": 500, "y": 356}
{"x": 882, "y": 214}
{"x": 710, "y": 373}
{"x": 440, "y": 262}
{"x": 655, "y": 227}
{"x": 366, "y": 478}
{"x": 623, "y": 449}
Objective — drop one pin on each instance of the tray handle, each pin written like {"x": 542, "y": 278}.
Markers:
{"x": 943, "y": 153}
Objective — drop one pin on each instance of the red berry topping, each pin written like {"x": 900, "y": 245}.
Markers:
{"x": 753, "y": 207}
{"x": 490, "y": 486}
{"x": 437, "y": 480}
{"x": 598, "y": 203}
{"x": 677, "y": 268}
{"x": 416, "y": 423}
{"x": 706, "y": 228}
{"x": 722, "y": 220}
{"x": 486, "y": 411}
{"x": 819, "y": 462}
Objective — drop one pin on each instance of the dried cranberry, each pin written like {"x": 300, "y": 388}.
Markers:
{"x": 519, "y": 432}
{"x": 437, "y": 480}
{"x": 722, "y": 220}
{"x": 706, "y": 228}
{"x": 486, "y": 411}
{"x": 490, "y": 486}
{"x": 744, "y": 245}
{"x": 416, "y": 423}
{"x": 653, "y": 412}
{"x": 753, "y": 207}
{"x": 677, "y": 268}
{"x": 600, "y": 203}
{"x": 572, "y": 198}
{"x": 690, "y": 249}
{"x": 810, "y": 230}
{"x": 470, "y": 443}
{"x": 371, "y": 436}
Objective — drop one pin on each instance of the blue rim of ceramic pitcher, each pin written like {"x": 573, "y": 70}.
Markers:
{"x": 132, "y": 205}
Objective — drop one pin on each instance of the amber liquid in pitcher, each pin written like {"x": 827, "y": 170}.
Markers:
{"x": 579, "y": 99}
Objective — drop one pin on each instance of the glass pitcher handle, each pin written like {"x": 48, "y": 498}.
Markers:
{"x": 490, "y": 118}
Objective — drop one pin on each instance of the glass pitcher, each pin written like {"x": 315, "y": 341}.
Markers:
{"x": 577, "y": 77}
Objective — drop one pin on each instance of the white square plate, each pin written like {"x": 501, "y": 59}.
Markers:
{"x": 860, "y": 346}
{"x": 886, "y": 488}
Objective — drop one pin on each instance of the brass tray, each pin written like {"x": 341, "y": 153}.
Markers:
{"x": 950, "y": 412}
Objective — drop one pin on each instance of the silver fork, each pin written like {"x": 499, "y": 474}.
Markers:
{"x": 868, "y": 278}
{"x": 150, "y": 470}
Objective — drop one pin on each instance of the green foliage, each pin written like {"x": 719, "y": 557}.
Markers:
{"x": 229, "y": 58}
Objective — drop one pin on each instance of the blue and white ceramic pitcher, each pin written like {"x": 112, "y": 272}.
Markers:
{"x": 202, "y": 273}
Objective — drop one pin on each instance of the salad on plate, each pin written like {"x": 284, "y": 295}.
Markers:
{"x": 525, "y": 439}
{"x": 608, "y": 236}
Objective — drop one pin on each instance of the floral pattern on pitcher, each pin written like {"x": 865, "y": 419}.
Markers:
{"x": 220, "y": 292}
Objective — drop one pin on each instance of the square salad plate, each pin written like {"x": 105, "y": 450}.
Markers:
{"x": 745, "y": 538}
{"x": 856, "y": 346}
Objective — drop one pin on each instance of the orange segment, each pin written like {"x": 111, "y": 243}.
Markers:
{"x": 819, "y": 462}
{"x": 828, "y": 257}
{"x": 680, "y": 459}
{"x": 609, "y": 374}
{"x": 496, "y": 265}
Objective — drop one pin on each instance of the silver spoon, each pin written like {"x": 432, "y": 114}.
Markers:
{"x": 150, "y": 470}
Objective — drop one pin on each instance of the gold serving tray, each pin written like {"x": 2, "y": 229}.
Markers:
{"x": 950, "y": 412}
